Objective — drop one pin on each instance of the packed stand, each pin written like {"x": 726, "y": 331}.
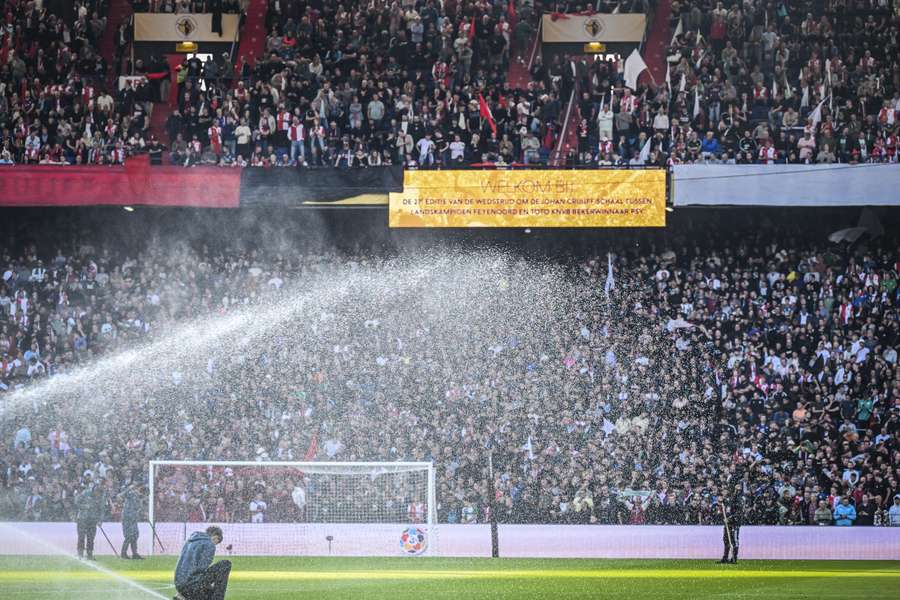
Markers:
{"x": 775, "y": 83}
{"x": 780, "y": 355}
{"x": 58, "y": 105}
{"x": 362, "y": 84}
{"x": 189, "y": 6}
{"x": 59, "y": 101}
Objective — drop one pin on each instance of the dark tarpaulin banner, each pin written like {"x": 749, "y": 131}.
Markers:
{"x": 295, "y": 187}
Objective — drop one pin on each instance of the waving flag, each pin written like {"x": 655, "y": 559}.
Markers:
{"x": 529, "y": 447}
{"x": 645, "y": 152}
{"x": 634, "y": 66}
{"x": 679, "y": 29}
{"x": 485, "y": 111}
{"x": 313, "y": 448}
{"x": 816, "y": 115}
{"x": 610, "y": 279}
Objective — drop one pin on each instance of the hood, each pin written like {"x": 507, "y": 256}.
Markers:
{"x": 199, "y": 536}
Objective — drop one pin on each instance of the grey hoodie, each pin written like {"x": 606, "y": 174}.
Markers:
{"x": 196, "y": 556}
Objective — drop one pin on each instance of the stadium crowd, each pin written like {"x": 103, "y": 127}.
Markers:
{"x": 366, "y": 84}
{"x": 779, "y": 353}
{"x": 58, "y": 104}
{"x": 355, "y": 84}
{"x": 766, "y": 83}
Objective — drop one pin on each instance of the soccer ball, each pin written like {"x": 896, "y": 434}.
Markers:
{"x": 413, "y": 541}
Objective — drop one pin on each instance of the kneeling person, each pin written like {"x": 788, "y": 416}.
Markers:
{"x": 196, "y": 578}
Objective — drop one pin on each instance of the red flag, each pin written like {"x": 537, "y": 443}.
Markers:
{"x": 313, "y": 448}
{"x": 485, "y": 111}
{"x": 511, "y": 11}
{"x": 472, "y": 29}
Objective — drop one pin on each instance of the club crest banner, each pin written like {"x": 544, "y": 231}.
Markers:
{"x": 167, "y": 27}
{"x": 568, "y": 29}
{"x": 531, "y": 198}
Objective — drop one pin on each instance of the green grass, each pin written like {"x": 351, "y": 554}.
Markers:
{"x": 261, "y": 578}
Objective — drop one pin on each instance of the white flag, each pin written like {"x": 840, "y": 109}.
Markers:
{"x": 828, "y": 82}
{"x": 529, "y": 447}
{"x": 774, "y": 88}
{"x": 804, "y": 99}
{"x": 696, "y": 102}
{"x": 645, "y": 152}
{"x": 608, "y": 426}
{"x": 788, "y": 90}
{"x": 679, "y": 29}
{"x": 669, "y": 77}
{"x": 683, "y": 85}
{"x": 634, "y": 66}
{"x": 816, "y": 115}
{"x": 615, "y": 11}
{"x": 610, "y": 280}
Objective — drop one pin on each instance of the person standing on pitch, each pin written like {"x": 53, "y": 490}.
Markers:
{"x": 89, "y": 505}
{"x": 733, "y": 517}
{"x": 131, "y": 514}
{"x": 196, "y": 578}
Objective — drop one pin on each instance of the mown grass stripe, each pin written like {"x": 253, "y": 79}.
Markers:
{"x": 303, "y": 575}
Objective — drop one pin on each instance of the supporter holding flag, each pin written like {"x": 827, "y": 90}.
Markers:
{"x": 485, "y": 111}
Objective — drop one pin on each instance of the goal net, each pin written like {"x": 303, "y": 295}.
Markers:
{"x": 296, "y": 508}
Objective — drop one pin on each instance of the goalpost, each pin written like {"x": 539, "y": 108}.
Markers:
{"x": 296, "y": 508}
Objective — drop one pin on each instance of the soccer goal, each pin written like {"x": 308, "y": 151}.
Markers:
{"x": 297, "y": 508}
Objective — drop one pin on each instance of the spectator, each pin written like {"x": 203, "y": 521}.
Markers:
{"x": 258, "y": 508}
{"x": 824, "y": 515}
{"x": 710, "y": 146}
{"x": 894, "y": 512}
{"x": 844, "y": 513}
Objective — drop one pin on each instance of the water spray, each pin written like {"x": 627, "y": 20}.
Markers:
{"x": 55, "y": 550}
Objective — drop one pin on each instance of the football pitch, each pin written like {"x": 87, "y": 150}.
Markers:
{"x": 263, "y": 578}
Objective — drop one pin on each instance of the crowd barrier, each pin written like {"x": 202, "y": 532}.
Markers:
{"x": 535, "y": 541}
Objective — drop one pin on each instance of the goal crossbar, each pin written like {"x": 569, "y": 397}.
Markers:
{"x": 276, "y": 463}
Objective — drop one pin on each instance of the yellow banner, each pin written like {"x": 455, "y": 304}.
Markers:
{"x": 557, "y": 198}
